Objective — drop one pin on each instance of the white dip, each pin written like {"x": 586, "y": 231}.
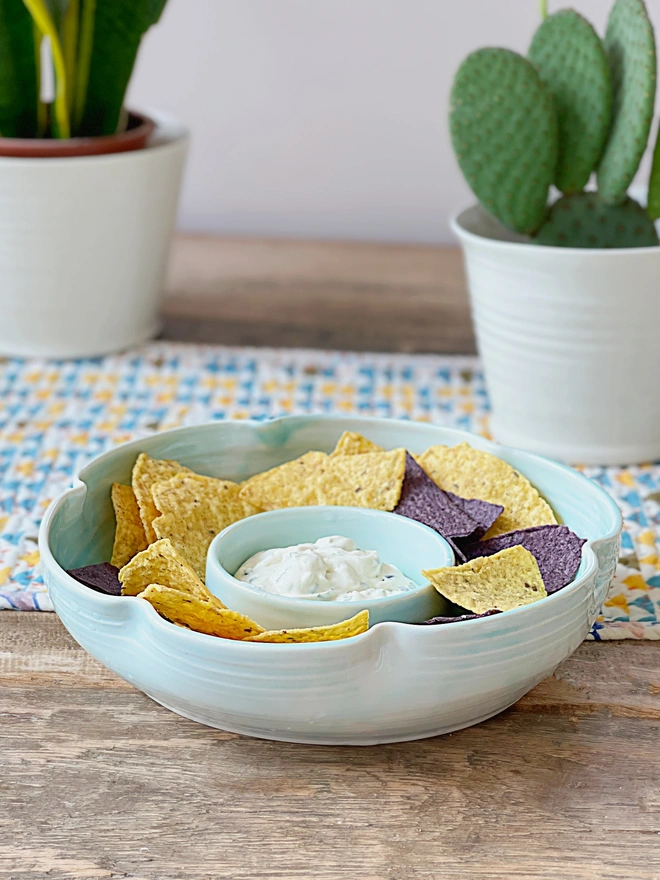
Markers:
{"x": 332, "y": 569}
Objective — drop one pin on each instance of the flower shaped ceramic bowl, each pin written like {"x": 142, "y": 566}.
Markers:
{"x": 398, "y": 681}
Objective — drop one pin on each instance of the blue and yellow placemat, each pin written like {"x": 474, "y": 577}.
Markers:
{"x": 56, "y": 416}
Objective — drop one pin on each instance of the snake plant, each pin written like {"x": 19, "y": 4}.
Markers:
{"x": 93, "y": 46}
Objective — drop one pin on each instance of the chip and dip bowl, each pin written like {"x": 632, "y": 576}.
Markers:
{"x": 399, "y": 541}
{"x": 397, "y": 681}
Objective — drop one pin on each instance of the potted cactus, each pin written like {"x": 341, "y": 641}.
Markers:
{"x": 563, "y": 264}
{"x": 88, "y": 190}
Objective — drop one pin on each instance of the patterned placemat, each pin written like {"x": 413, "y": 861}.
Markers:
{"x": 56, "y": 416}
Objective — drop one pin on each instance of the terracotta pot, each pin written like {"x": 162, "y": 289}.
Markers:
{"x": 135, "y": 137}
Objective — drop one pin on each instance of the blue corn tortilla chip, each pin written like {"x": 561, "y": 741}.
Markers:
{"x": 421, "y": 499}
{"x": 102, "y": 577}
{"x": 482, "y": 512}
{"x": 435, "y": 621}
{"x": 424, "y": 501}
{"x": 449, "y": 515}
{"x": 557, "y": 551}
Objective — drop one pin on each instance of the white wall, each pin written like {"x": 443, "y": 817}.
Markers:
{"x": 324, "y": 118}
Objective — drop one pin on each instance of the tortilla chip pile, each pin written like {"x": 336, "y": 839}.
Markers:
{"x": 511, "y": 549}
{"x": 485, "y": 509}
{"x": 471, "y": 473}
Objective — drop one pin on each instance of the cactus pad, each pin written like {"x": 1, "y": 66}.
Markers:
{"x": 630, "y": 47}
{"x": 504, "y": 132}
{"x": 571, "y": 60}
{"x": 585, "y": 221}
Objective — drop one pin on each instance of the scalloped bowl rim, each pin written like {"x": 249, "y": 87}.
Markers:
{"x": 151, "y": 615}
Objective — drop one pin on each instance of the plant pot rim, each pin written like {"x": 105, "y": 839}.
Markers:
{"x": 135, "y": 137}
{"x": 465, "y": 232}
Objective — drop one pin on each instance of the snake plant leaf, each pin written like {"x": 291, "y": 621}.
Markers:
{"x": 19, "y": 89}
{"x": 44, "y": 22}
{"x": 57, "y": 9}
{"x": 110, "y": 35}
{"x": 69, "y": 36}
{"x": 155, "y": 10}
{"x": 65, "y": 14}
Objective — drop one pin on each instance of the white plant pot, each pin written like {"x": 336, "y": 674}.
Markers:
{"x": 569, "y": 343}
{"x": 83, "y": 247}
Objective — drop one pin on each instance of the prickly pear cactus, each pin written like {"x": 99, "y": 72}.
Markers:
{"x": 569, "y": 55}
{"x": 504, "y": 131}
{"x": 585, "y": 221}
{"x": 630, "y": 48}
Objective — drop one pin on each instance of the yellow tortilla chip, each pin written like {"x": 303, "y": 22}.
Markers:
{"x": 292, "y": 484}
{"x": 147, "y": 472}
{"x": 161, "y": 564}
{"x": 344, "y": 630}
{"x": 373, "y": 479}
{"x": 198, "y": 614}
{"x": 472, "y": 473}
{"x": 351, "y": 443}
{"x": 193, "y": 510}
{"x": 505, "y": 580}
{"x": 129, "y": 532}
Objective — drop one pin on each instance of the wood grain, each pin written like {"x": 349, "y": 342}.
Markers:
{"x": 96, "y": 781}
{"x": 365, "y": 297}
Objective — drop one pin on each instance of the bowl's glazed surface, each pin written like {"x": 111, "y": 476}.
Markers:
{"x": 395, "y": 682}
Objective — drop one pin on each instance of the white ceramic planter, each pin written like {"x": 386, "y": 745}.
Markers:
{"x": 83, "y": 247}
{"x": 569, "y": 342}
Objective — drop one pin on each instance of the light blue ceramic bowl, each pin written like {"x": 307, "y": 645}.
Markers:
{"x": 395, "y": 682}
{"x": 402, "y": 542}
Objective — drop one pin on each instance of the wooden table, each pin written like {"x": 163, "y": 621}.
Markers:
{"x": 96, "y": 781}
{"x": 358, "y": 297}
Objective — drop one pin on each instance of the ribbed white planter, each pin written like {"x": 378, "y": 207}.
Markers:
{"x": 570, "y": 344}
{"x": 83, "y": 247}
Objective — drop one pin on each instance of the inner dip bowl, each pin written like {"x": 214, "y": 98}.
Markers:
{"x": 400, "y": 541}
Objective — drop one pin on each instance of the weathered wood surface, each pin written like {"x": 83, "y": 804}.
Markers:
{"x": 96, "y": 781}
{"x": 364, "y": 297}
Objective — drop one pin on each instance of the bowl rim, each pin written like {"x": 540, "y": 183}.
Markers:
{"x": 144, "y": 608}
{"x": 299, "y": 602}
{"x": 463, "y": 233}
